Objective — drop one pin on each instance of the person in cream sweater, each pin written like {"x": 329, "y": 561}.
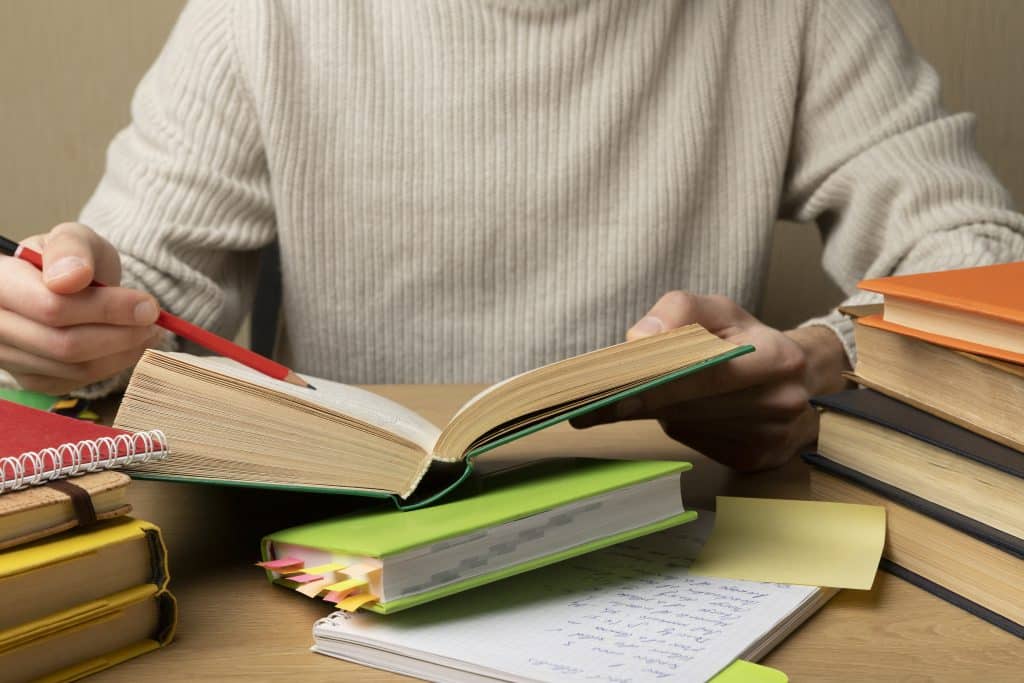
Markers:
{"x": 466, "y": 189}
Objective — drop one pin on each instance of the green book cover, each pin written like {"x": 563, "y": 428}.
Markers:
{"x": 382, "y": 532}
{"x": 515, "y": 495}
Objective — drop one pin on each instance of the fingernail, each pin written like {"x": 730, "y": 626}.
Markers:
{"x": 648, "y": 326}
{"x": 145, "y": 312}
{"x": 62, "y": 268}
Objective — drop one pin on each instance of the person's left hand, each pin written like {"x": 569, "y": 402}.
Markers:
{"x": 749, "y": 413}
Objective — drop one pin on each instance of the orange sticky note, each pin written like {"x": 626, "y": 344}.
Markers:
{"x": 351, "y": 604}
{"x": 311, "y": 590}
{"x": 362, "y": 569}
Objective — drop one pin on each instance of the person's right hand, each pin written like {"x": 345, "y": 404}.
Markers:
{"x": 56, "y": 332}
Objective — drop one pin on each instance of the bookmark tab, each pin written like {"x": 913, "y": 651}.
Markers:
{"x": 283, "y": 563}
{"x": 361, "y": 569}
{"x": 348, "y": 585}
{"x": 312, "y": 589}
{"x": 325, "y": 568}
{"x": 333, "y": 596}
{"x": 305, "y": 578}
{"x": 351, "y": 604}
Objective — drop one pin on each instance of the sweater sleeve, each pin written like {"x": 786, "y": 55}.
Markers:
{"x": 186, "y": 194}
{"x": 893, "y": 181}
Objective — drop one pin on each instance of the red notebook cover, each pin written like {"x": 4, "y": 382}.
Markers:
{"x": 36, "y": 446}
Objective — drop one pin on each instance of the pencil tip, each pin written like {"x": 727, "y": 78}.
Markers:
{"x": 293, "y": 378}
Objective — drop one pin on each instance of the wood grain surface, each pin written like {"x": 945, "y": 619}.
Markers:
{"x": 234, "y": 625}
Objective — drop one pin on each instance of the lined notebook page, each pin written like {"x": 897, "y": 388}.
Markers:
{"x": 627, "y": 613}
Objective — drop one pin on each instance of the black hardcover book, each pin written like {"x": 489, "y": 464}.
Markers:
{"x": 870, "y": 405}
{"x": 994, "y": 537}
{"x": 953, "y": 598}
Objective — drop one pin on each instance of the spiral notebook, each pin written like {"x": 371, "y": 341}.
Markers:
{"x": 37, "y": 447}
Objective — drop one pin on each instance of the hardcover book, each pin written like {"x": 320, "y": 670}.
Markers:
{"x": 973, "y": 566}
{"x": 980, "y": 394}
{"x": 924, "y": 456}
{"x": 386, "y": 560}
{"x": 979, "y": 310}
{"x": 231, "y": 425}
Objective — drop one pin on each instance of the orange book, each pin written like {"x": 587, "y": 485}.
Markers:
{"x": 978, "y": 310}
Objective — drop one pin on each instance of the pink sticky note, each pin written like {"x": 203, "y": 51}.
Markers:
{"x": 332, "y": 596}
{"x": 304, "y": 578}
{"x": 282, "y": 563}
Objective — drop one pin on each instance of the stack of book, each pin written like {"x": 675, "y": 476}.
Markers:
{"x": 937, "y": 435}
{"x": 83, "y": 586}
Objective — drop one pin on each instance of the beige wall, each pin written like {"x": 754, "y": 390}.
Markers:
{"x": 68, "y": 67}
{"x": 67, "y": 72}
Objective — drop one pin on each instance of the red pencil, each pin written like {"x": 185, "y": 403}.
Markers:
{"x": 208, "y": 340}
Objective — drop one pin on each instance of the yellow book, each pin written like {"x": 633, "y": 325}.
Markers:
{"x": 122, "y": 626}
{"x": 65, "y": 573}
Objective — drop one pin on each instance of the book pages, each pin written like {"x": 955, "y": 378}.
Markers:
{"x": 341, "y": 398}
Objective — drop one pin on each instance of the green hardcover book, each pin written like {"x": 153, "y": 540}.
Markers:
{"x": 228, "y": 424}
{"x": 386, "y": 560}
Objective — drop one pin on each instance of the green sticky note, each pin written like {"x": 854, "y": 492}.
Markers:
{"x": 742, "y": 671}
{"x": 32, "y": 399}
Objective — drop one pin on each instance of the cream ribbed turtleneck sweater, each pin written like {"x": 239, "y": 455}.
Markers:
{"x": 465, "y": 189}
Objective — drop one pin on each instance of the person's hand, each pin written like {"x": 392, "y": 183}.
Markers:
{"x": 56, "y": 332}
{"x": 751, "y": 412}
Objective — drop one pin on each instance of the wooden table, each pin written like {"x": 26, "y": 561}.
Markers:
{"x": 233, "y": 624}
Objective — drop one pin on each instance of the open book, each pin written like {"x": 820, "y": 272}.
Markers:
{"x": 228, "y": 424}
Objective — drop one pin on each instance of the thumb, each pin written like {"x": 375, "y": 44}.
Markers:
{"x": 675, "y": 309}
{"x": 74, "y": 256}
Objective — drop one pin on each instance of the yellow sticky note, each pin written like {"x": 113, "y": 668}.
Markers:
{"x": 347, "y": 585}
{"x": 794, "y": 541}
{"x": 325, "y": 568}
{"x": 356, "y": 601}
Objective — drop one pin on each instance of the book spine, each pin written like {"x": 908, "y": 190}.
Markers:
{"x": 82, "y": 457}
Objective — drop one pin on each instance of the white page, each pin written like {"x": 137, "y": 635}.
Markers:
{"x": 625, "y": 614}
{"x": 342, "y": 398}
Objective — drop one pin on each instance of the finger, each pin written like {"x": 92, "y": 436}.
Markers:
{"x": 718, "y": 314}
{"x": 41, "y": 374}
{"x": 74, "y": 255}
{"x": 24, "y": 293}
{"x": 74, "y": 344}
{"x": 35, "y": 242}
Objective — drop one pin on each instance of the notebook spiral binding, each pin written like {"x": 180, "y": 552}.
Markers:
{"x": 40, "y": 467}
